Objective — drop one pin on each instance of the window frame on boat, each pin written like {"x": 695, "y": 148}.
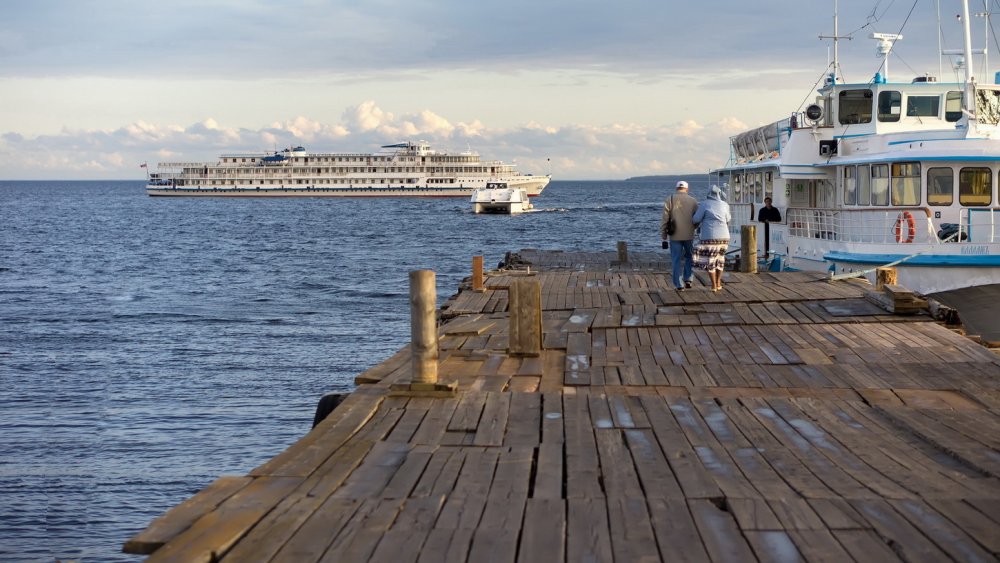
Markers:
{"x": 937, "y": 195}
{"x": 889, "y": 106}
{"x": 965, "y": 183}
{"x": 904, "y": 183}
{"x": 854, "y": 106}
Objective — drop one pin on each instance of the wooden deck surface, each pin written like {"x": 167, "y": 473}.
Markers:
{"x": 782, "y": 419}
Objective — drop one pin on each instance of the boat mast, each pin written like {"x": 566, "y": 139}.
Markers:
{"x": 969, "y": 78}
{"x": 836, "y": 38}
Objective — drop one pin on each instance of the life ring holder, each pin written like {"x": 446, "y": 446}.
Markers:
{"x": 905, "y": 217}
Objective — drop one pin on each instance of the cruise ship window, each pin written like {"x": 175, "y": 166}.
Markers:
{"x": 940, "y": 186}
{"x": 890, "y": 106}
{"x": 855, "y": 107}
{"x": 905, "y": 183}
{"x": 975, "y": 186}
{"x": 923, "y": 106}
{"x": 880, "y": 184}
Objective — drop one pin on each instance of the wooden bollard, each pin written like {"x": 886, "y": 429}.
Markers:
{"x": 525, "y": 306}
{"x": 423, "y": 326}
{"x": 477, "y": 273}
{"x": 748, "y": 249}
{"x": 423, "y": 340}
{"x": 884, "y": 276}
{"x": 622, "y": 252}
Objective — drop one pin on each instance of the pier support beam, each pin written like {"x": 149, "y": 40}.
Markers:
{"x": 423, "y": 339}
{"x": 525, "y": 306}
{"x": 477, "y": 273}
{"x": 748, "y": 249}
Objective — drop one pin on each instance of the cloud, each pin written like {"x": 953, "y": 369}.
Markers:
{"x": 615, "y": 150}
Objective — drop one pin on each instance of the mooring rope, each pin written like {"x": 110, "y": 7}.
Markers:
{"x": 849, "y": 275}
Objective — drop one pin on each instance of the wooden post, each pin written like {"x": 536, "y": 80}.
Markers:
{"x": 748, "y": 249}
{"x": 884, "y": 276}
{"x": 423, "y": 326}
{"x": 477, "y": 273}
{"x": 423, "y": 341}
{"x": 525, "y": 307}
{"x": 622, "y": 252}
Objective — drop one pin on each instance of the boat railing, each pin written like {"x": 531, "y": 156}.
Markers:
{"x": 887, "y": 225}
{"x": 978, "y": 225}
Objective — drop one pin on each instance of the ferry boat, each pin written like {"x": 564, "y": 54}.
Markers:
{"x": 496, "y": 197}
{"x": 398, "y": 170}
{"x": 879, "y": 173}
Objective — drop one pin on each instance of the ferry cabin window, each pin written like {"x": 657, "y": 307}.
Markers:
{"x": 923, "y": 106}
{"x": 880, "y": 184}
{"x": 940, "y": 186}
{"x": 768, "y": 184}
{"x": 953, "y": 106}
{"x": 758, "y": 187}
{"x": 890, "y": 106}
{"x": 975, "y": 186}
{"x": 850, "y": 186}
{"x": 905, "y": 183}
{"x": 864, "y": 185}
{"x": 855, "y": 107}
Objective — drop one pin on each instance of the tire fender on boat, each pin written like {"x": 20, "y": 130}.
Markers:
{"x": 327, "y": 404}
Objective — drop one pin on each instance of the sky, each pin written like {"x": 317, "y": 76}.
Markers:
{"x": 90, "y": 89}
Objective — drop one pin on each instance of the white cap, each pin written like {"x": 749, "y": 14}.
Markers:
{"x": 682, "y": 184}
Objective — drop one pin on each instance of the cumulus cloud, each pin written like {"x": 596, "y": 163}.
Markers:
{"x": 615, "y": 150}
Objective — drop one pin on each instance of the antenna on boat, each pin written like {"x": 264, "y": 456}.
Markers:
{"x": 885, "y": 43}
{"x": 836, "y": 38}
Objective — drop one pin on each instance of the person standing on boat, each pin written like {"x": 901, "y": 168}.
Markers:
{"x": 713, "y": 218}
{"x": 677, "y": 226}
{"x": 768, "y": 214}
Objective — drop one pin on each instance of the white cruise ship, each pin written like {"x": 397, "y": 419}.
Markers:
{"x": 880, "y": 173}
{"x": 398, "y": 170}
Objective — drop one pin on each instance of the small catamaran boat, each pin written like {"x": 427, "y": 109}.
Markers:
{"x": 497, "y": 197}
{"x": 879, "y": 173}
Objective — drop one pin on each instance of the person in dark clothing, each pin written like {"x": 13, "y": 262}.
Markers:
{"x": 768, "y": 214}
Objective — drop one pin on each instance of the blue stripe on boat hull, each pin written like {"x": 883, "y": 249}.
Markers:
{"x": 979, "y": 261}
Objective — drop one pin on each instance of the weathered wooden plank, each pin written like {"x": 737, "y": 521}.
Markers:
{"x": 493, "y": 424}
{"x": 910, "y": 543}
{"x": 401, "y": 543}
{"x": 588, "y": 535}
{"x": 215, "y": 533}
{"x": 582, "y": 466}
{"x": 719, "y": 532}
{"x": 468, "y": 412}
{"x": 544, "y": 535}
{"x": 182, "y": 516}
{"x": 525, "y": 420}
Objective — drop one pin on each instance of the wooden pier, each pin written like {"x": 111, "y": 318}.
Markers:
{"x": 784, "y": 418}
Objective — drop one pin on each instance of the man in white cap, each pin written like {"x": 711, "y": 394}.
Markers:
{"x": 678, "y": 210}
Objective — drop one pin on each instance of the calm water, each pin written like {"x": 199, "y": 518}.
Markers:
{"x": 148, "y": 345}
